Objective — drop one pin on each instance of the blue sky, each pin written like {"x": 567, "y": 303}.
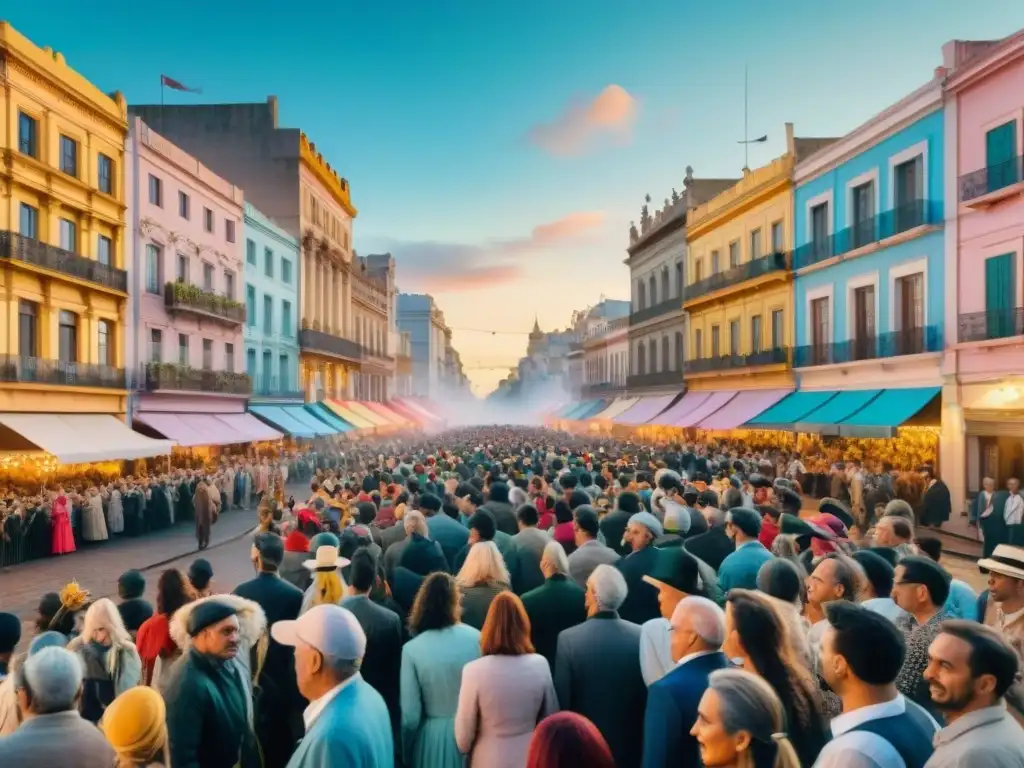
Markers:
{"x": 454, "y": 121}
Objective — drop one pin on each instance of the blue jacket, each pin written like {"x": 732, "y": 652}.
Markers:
{"x": 739, "y": 570}
{"x": 353, "y": 731}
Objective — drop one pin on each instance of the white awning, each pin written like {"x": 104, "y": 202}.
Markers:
{"x": 77, "y": 438}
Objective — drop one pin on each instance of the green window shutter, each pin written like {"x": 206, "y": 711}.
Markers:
{"x": 1001, "y": 156}
{"x": 1000, "y": 295}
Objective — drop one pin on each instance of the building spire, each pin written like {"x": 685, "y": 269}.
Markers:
{"x": 536, "y": 327}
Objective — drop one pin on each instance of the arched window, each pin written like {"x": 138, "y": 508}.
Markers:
{"x": 665, "y": 290}
{"x": 641, "y": 295}
{"x": 679, "y": 351}
{"x": 652, "y": 352}
{"x": 641, "y": 359}
{"x": 652, "y": 287}
{"x": 664, "y": 353}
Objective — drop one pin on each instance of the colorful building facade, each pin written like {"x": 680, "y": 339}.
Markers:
{"x": 373, "y": 294}
{"x": 271, "y": 276}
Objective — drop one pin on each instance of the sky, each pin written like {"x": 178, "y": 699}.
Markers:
{"x": 500, "y": 149}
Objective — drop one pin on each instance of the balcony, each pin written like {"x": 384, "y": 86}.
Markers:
{"x": 773, "y": 262}
{"x": 914, "y": 341}
{"x": 991, "y": 325}
{"x": 992, "y": 183}
{"x": 271, "y": 386}
{"x": 182, "y": 378}
{"x": 193, "y": 300}
{"x": 328, "y": 344}
{"x": 874, "y": 230}
{"x": 34, "y": 370}
{"x": 657, "y": 379}
{"x": 777, "y": 356}
{"x": 649, "y": 313}
{"x": 17, "y": 247}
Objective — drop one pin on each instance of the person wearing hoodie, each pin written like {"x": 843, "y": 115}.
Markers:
{"x": 501, "y": 510}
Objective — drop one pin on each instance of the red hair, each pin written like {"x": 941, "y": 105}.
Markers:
{"x": 506, "y": 629}
{"x": 567, "y": 740}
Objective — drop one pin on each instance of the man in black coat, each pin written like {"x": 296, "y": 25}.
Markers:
{"x": 715, "y": 545}
{"x": 279, "y": 713}
{"x": 502, "y": 512}
{"x": 421, "y": 554}
{"x": 641, "y": 603}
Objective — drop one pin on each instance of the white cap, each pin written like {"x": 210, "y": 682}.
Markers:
{"x": 330, "y": 629}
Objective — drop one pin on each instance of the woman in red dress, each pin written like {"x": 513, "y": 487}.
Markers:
{"x": 60, "y": 522}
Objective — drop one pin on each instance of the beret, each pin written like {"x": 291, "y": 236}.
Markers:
{"x": 760, "y": 481}
{"x": 207, "y": 614}
{"x": 648, "y": 521}
{"x": 789, "y": 498}
{"x": 10, "y": 632}
{"x": 836, "y": 508}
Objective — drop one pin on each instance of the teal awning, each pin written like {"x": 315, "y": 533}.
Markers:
{"x": 276, "y": 416}
{"x": 301, "y": 415}
{"x": 320, "y": 411}
{"x": 887, "y": 411}
{"x": 596, "y": 406}
{"x": 825, "y": 419}
{"x": 571, "y": 409}
{"x": 791, "y": 409}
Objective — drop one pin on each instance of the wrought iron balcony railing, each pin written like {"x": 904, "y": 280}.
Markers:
{"x": 991, "y": 178}
{"x": 34, "y": 370}
{"x": 329, "y": 344}
{"x": 656, "y": 379}
{"x": 773, "y": 262}
{"x": 727, "y": 362}
{"x": 880, "y": 227}
{"x": 272, "y": 386}
{"x": 912, "y": 341}
{"x": 182, "y": 297}
{"x": 182, "y": 378}
{"x": 992, "y": 324}
{"x": 28, "y": 251}
{"x": 659, "y": 309}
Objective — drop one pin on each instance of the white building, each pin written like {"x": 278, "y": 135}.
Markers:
{"x": 420, "y": 317}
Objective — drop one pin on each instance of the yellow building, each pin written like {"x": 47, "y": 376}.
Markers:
{"x": 739, "y": 292}
{"x": 62, "y": 236}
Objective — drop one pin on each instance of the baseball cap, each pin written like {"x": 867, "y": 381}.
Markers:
{"x": 330, "y": 629}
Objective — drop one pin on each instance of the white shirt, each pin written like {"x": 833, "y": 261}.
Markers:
{"x": 885, "y": 606}
{"x": 1014, "y": 511}
{"x": 861, "y": 749}
{"x": 316, "y": 708}
{"x": 692, "y": 656}
{"x": 1007, "y": 618}
{"x": 655, "y": 650}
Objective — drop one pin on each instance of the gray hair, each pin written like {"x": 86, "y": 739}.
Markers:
{"x": 555, "y": 557}
{"x": 517, "y": 496}
{"x": 747, "y": 703}
{"x": 609, "y": 587}
{"x": 415, "y": 522}
{"x": 715, "y": 516}
{"x": 54, "y": 678}
{"x": 732, "y": 498}
{"x": 706, "y": 618}
{"x": 342, "y": 669}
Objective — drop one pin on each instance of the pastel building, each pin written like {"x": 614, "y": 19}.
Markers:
{"x": 373, "y": 297}
{"x": 984, "y": 307}
{"x": 420, "y": 317}
{"x": 271, "y": 276}
{"x": 185, "y": 339}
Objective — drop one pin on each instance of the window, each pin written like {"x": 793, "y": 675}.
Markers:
{"x": 664, "y": 353}
{"x": 208, "y": 277}
{"x": 641, "y": 359}
{"x": 283, "y": 379}
{"x": 863, "y": 201}
{"x": 28, "y": 135}
{"x": 864, "y": 322}
{"x": 104, "y": 336}
{"x": 229, "y": 357}
{"x": 156, "y": 344}
{"x": 755, "y": 334}
{"x": 229, "y": 230}
{"x": 734, "y": 338}
{"x": 182, "y": 349}
{"x": 778, "y": 332}
{"x": 819, "y": 225}
{"x": 1000, "y": 156}
{"x": 250, "y": 306}
{"x": 207, "y": 219}
{"x": 67, "y": 337}
{"x": 286, "y": 272}
{"x": 652, "y": 353}
{"x": 207, "y": 354}
{"x": 679, "y": 351}
{"x": 156, "y": 191}
{"x": 250, "y": 252}
{"x": 778, "y": 246}
{"x": 734, "y": 254}
{"x": 105, "y": 174}
{"x": 153, "y": 259}
{"x": 679, "y": 279}
{"x": 716, "y": 342}
{"x": 229, "y": 283}
{"x": 665, "y": 290}
{"x": 104, "y": 250}
{"x": 286, "y": 318}
{"x": 910, "y": 302}
{"x": 250, "y": 362}
{"x": 268, "y": 262}
{"x": 641, "y": 293}
{"x": 908, "y": 194}
{"x": 698, "y": 344}
{"x": 1000, "y": 296}
{"x": 268, "y": 315}
{"x": 28, "y": 328}
{"x": 28, "y": 224}
{"x": 182, "y": 274}
{"x": 698, "y": 270}
{"x": 68, "y": 235}
{"x": 821, "y": 329}
{"x": 652, "y": 290}
{"x": 183, "y": 205}
{"x": 268, "y": 361}
{"x": 68, "y": 155}
{"x": 715, "y": 265}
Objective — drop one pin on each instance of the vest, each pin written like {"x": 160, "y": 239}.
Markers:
{"x": 910, "y": 734}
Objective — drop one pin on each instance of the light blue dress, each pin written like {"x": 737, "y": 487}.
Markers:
{"x": 432, "y": 666}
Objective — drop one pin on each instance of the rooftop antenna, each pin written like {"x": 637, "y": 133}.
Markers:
{"x": 746, "y": 141}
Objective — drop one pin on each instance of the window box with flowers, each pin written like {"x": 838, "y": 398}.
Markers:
{"x": 183, "y": 297}
{"x": 184, "y": 378}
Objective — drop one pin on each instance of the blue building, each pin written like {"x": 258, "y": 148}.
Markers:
{"x": 869, "y": 258}
{"x": 271, "y": 274}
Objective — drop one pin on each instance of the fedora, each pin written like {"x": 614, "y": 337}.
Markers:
{"x": 1006, "y": 560}
{"x": 327, "y": 559}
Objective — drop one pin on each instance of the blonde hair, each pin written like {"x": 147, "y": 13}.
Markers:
{"x": 328, "y": 587}
{"x": 747, "y": 703}
{"x": 103, "y": 614}
{"x": 483, "y": 563}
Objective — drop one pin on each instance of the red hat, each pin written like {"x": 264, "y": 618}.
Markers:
{"x": 296, "y": 542}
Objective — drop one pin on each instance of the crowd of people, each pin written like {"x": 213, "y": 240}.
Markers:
{"x": 508, "y": 597}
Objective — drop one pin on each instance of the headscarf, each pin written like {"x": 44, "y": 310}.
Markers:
{"x": 135, "y": 724}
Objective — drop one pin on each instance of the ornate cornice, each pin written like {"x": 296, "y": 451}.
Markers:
{"x": 182, "y": 243}
{"x": 335, "y": 184}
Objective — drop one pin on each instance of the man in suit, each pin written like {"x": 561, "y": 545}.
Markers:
{"x": 530, "y": 542}
{"x": 446, "y": 531}
{"x": 281, "y": 705}
{"x": 590, "y": 552}
{"x": 52, "y": 732}
{"x": 698, "y": 631}
{"x": 382, "y": 663}
{"x": 715, "y": 545}
{"x": 556, "y": 605}
{"x": 612, "y": 695}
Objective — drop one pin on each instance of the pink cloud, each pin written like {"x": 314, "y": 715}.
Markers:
{"x": 582, "y": 124}
{"x": 567, "y": 227}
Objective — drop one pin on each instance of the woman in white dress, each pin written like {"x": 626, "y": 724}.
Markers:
{"x": 115, "y": 510}
{"x": 94, "y": 524}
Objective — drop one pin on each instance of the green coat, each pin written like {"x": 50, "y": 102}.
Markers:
{"x": 557, "y": 605}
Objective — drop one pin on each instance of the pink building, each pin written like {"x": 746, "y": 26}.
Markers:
{"x": 185, "y": 335}
{"x": 984, "y": 365}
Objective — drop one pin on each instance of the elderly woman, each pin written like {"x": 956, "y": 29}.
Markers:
{"x": 110, "y": 662}
{"x": 482, "y": 577}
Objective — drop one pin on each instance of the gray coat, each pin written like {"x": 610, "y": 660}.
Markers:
{"x": 586, "y": 558}
{"x": 64, "y": 738}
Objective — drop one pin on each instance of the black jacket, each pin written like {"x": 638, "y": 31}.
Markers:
{"x": 423, "y": 556}
{"x": 711, "y": 547}
{"x": 504, "y": 516}
{"x": 642, "y": 599}
{"x": 382, "y": 663}
{"x": 613, "y": 526}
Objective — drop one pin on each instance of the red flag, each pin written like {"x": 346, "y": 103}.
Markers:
{"x": 170, "y": 82}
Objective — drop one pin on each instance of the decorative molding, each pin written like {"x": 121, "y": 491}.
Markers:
{"x": 66, "y": 96}
{"x": 327, "y": 176}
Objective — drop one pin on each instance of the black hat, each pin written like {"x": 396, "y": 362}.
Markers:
{"x": 838, "y": 509}
{"x": 206, "y": 614}
{"x": 789, "y": 499}
{"x": 746, "y": 519}
{"x": 270, "y": 547}
{"x": 200, "y": 572}
{"x": 797, "y": 526}
{"x": 677, "y": 569}
{"x": 10, "y": 632}
{"x": 131, "y": 584}
{"x": 708, "y": 498}
{"x": 760, "y": 481}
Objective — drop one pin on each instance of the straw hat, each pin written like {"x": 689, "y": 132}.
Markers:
{"x": 327, "y": 559}
{"x": 1006, "y": 560}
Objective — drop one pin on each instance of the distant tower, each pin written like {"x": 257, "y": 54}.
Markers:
{"x": 536, "y": 338}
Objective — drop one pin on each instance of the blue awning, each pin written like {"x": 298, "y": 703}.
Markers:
{"x": 595, "y": 407}
{"x": 791, "y": 409}
{"x": 583, "y": 407}
{"x": 276, "y": 416}
{"x": 887, "y": 411}
{"x": 826, "y": 418}
{"x": 301, "y": 415}
{"x": 320, "y": 411}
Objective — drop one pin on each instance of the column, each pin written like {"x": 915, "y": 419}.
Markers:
{"x": 306, "y": 280}
{"x": 346, "y": 304}
{"x": 953, "y": 448}
{"x": 315, "y": 288}
{"x": 325, "y": 298}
